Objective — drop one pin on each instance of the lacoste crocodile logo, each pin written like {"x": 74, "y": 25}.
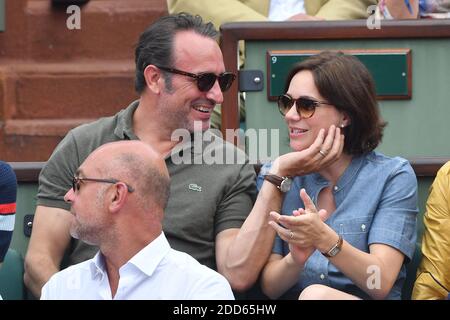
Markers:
{"x": 195, "y": 187}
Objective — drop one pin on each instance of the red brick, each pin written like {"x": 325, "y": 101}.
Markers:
{"x": 27, "y": 148}
{"x": 53, "y": 79}
{"x": 66, "y": 90}
{"x": 109, "y": 29}
{"x": 42, "y": 127}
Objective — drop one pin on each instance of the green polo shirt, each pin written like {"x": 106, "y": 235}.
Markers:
{"x": 205, "y": 199}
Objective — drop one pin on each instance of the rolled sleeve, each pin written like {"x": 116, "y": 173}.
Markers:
{"x": 238, "y": 201}
{"x": 55, "y": 178}
{"x": 278, "y": 246}
{"x": 396, "y": 217}
{"x": 264, "y": 170}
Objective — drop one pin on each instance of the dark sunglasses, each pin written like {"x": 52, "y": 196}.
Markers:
{"x": 206, "y": 80}
{"x": 305, "y": 106}
{"x": 76, "y": 182}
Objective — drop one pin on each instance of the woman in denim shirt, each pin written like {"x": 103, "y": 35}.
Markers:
{"x": 346, "y": 231}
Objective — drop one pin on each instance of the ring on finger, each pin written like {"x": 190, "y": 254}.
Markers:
{"x": 291, "y": 235}
{"x": 323, "y": 153}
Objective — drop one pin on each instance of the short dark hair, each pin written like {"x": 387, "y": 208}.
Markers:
{"x": 155, "y": 44}
{"x": 347, "y": 84}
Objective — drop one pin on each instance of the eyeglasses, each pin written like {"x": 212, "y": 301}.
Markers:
{"x": 206, "y": 80}
{"x": 305, "y": 106}
{"x": 76, "y": 182}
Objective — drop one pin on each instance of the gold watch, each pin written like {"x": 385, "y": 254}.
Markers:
{"x": 335, "y": 249}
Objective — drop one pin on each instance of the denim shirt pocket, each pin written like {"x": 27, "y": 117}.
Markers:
{"x": 355, "y": 231}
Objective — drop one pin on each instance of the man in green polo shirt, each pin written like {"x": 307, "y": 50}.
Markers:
{"x": 180, "y": 76}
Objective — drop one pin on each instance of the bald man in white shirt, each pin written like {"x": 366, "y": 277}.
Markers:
{"x": 118, "y": 198}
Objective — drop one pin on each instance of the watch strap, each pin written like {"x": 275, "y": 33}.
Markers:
{"x": 274, "y": 179}
{"x": 334, "y": 249}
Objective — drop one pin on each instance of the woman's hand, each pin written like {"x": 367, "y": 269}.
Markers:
{"x": 300, "y": 254}
{"x": 323, "y": 152}
{"x": 302, "y": 231}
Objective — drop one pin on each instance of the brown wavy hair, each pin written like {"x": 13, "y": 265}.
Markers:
{"x": 347, "y": 84}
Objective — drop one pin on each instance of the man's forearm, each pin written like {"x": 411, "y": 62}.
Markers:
{"x": 252, "y": 245}
{"x": 37, "y": 274}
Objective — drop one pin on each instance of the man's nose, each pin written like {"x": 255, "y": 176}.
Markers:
{"x": 69, "y": 195}
{"x": 215, "y": 93}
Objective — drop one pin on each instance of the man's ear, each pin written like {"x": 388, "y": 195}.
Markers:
{"x": 119, "y": 197}
{"x": 153, "y": 78}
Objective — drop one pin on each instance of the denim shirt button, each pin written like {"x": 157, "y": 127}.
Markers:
{"x": 363, "y": 227}
{"x": 336, "y": 188}
{"x": 322, "y": 276}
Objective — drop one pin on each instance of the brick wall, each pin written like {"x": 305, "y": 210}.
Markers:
{"x": 53, "y": 78}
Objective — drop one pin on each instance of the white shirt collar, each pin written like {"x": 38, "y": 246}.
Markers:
{"x": 155, "y": 272}
{"x": 146, "y": 260}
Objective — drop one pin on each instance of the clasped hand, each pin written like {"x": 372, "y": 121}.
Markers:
{"x": 303, "y": 230}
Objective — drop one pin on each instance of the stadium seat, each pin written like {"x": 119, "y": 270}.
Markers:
{"x": 11, "y": 277}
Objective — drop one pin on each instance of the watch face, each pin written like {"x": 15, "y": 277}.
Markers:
{"x": 286, "y": 185}
{"x": 334, "y": 251}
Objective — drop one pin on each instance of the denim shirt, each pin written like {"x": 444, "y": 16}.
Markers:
{"x": 376, "y": 202}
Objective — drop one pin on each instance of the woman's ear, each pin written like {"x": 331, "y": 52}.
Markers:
{"x": 345, "y": 121}
{"x": 153, "y": 78}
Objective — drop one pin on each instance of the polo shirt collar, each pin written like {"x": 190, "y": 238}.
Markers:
{"x": 124, "y": 126}
{"x": 124, "y": 131}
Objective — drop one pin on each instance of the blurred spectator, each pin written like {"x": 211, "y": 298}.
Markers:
{"x": 433, "y": 275}
{"x": 222, "y": 11}
{"x": 413, "y": 9}
{"x": 436, "y": 9}
{"x": 8, "y": 191}
{"x": 398, "y": 9}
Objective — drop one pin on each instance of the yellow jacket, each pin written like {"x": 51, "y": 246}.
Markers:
{"x": 221, "y": 11}
{"x": 433, "y": 275}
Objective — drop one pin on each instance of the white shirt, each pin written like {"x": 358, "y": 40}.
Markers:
{"x": 155, "y": 272}
{"x": 280, "y": 10}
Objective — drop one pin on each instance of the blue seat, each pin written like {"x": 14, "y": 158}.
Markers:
{"x": 11, "y": 277}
